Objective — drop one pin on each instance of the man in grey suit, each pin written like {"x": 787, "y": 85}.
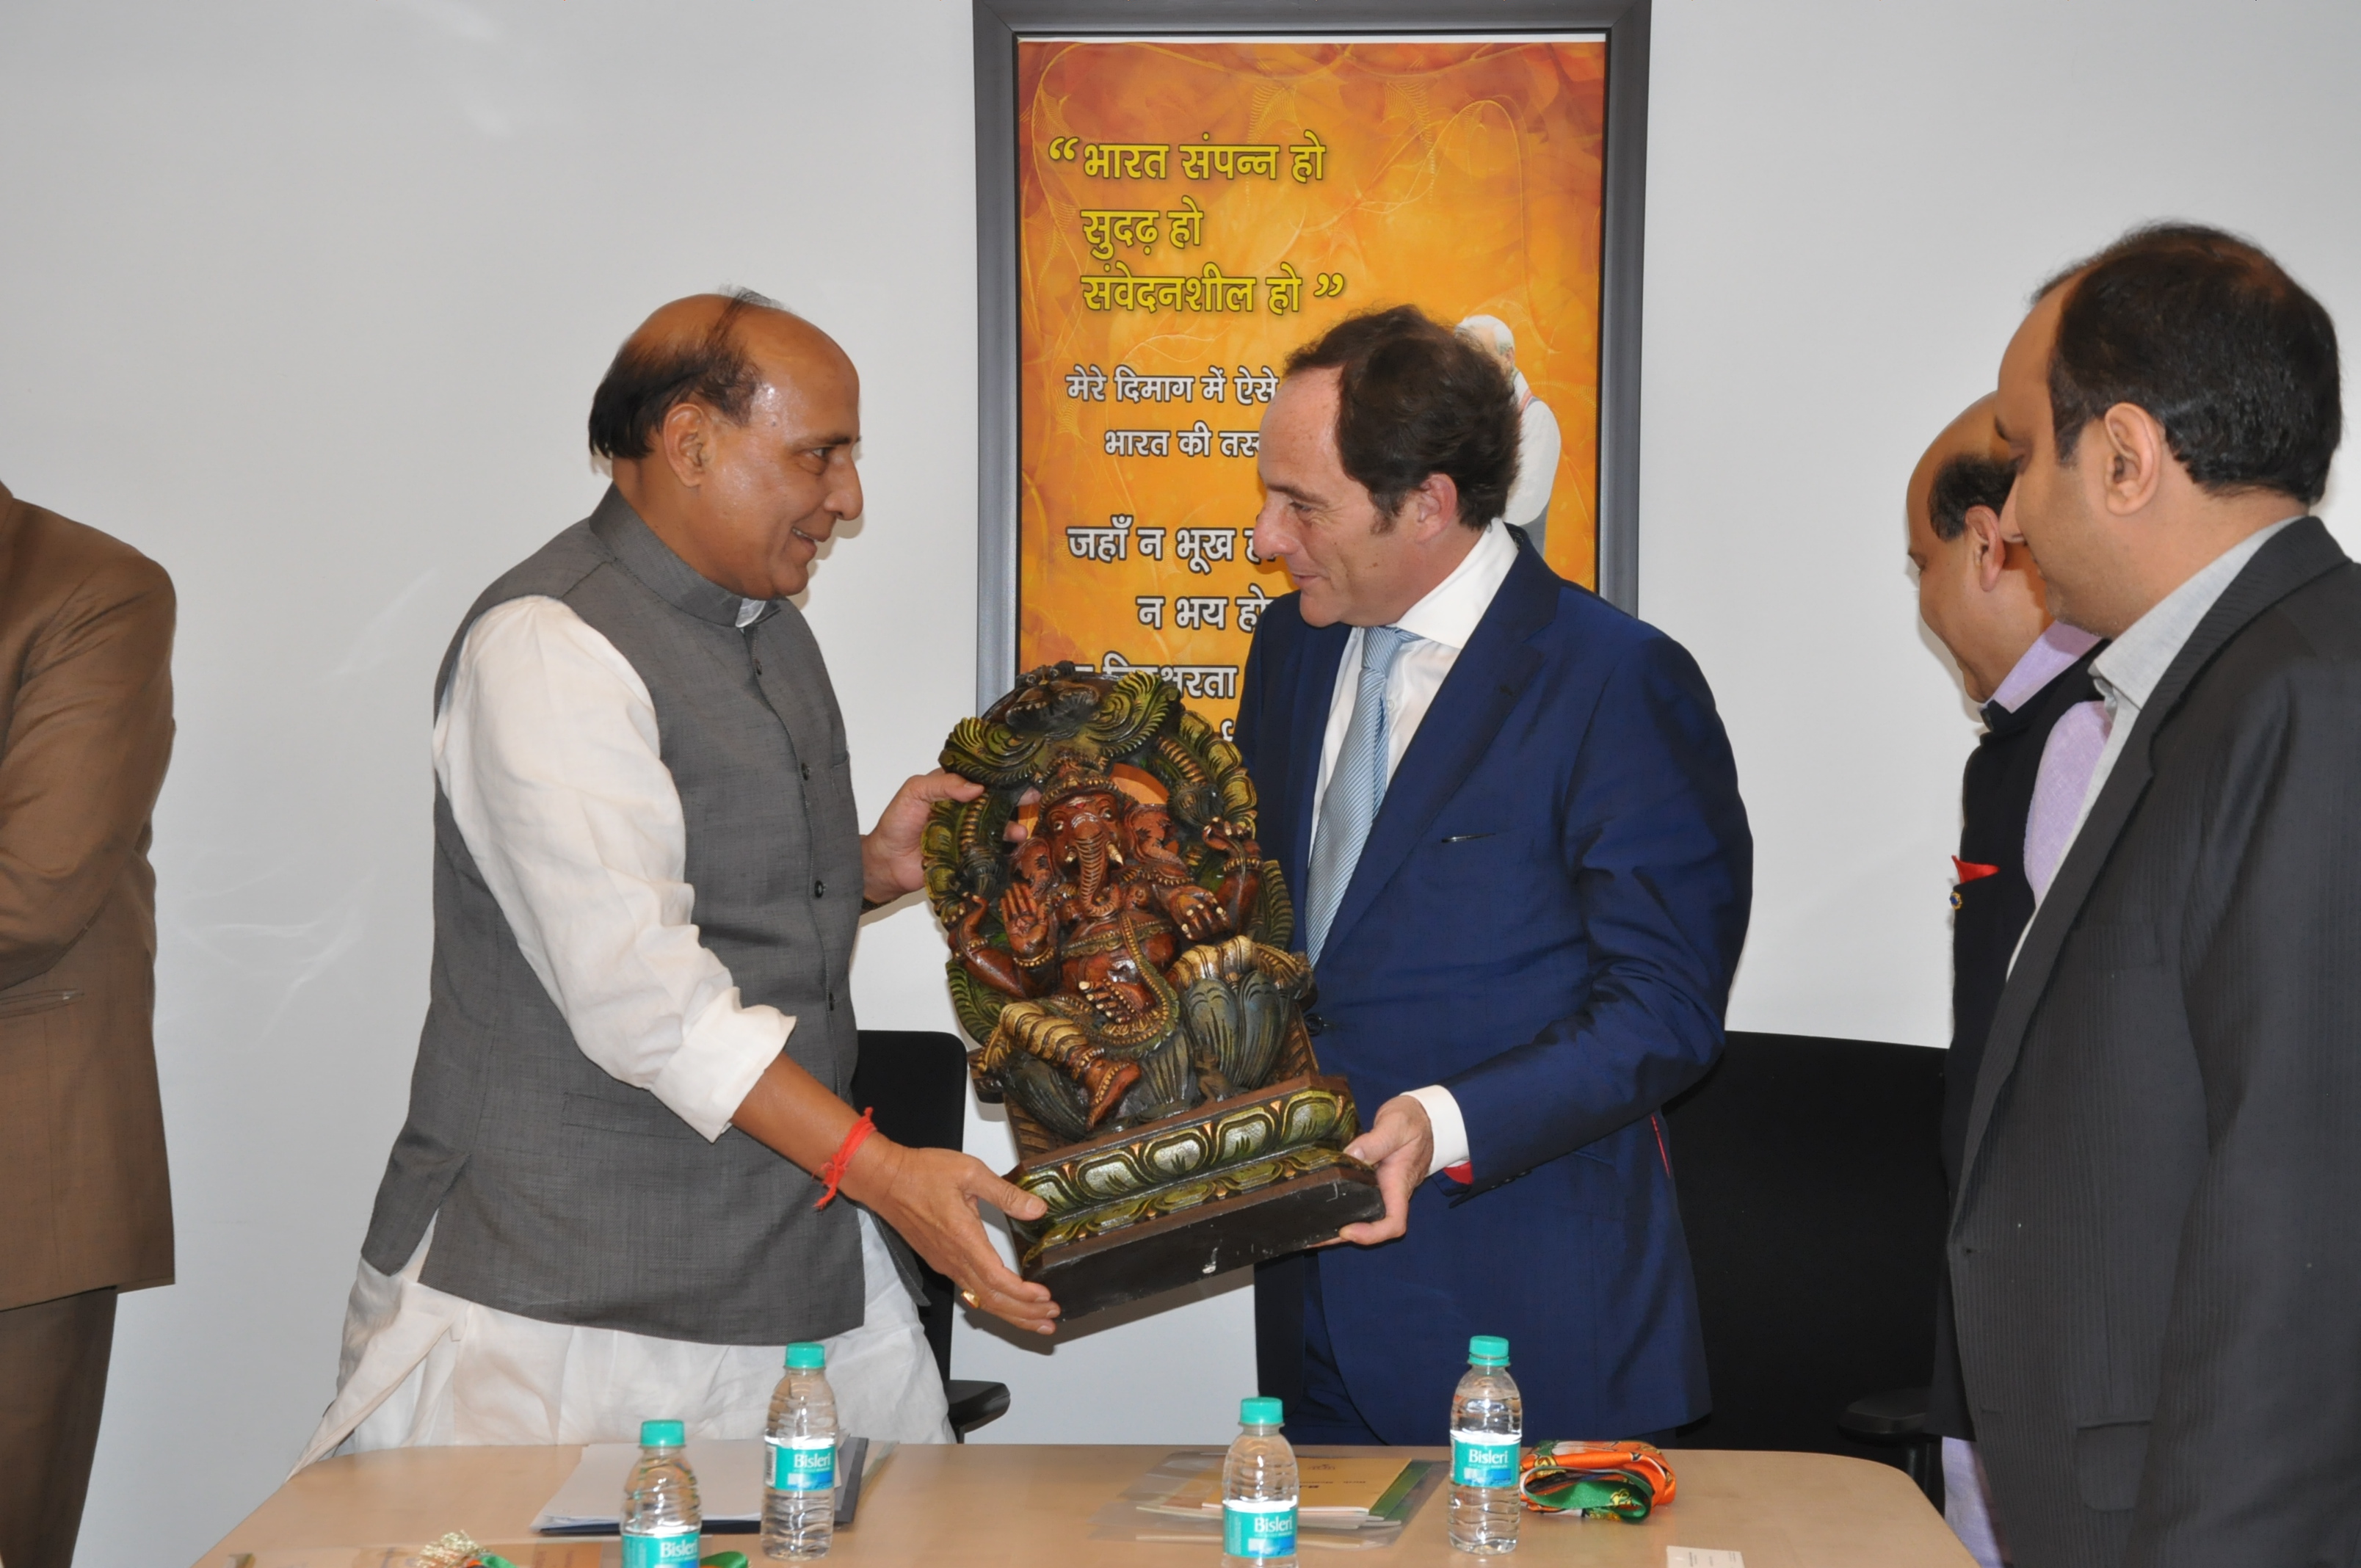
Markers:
{"x": 2156, "y": 1248}
{"x": 612, "y": 1199}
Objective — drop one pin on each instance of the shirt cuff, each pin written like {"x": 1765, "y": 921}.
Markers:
{"x": 725, "y": 1050}
{"x": 1450, "y": 1126}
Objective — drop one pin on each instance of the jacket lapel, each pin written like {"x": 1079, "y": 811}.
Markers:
{"x": 2298, "y": 555}
{"x": 1312, "y": 686}
{"x": 1485, "y": 683}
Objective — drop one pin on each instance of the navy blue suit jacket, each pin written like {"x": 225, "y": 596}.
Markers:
{"x": 1543, "y": 920}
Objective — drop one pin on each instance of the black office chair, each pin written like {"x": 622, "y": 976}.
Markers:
{"x": 916, "y": 1081}
{"x": 1814, "y": 1202}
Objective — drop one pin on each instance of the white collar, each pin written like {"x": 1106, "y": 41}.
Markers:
{"x": 1449, "y": 612}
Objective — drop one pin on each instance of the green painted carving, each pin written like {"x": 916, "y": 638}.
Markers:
{"x": 1122, "y": 963}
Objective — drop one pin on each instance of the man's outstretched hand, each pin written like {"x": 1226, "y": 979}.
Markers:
{"x": 929, "y": 1195}
{"x": 1400, "y": 1144}
{"x": 890, "y": 865}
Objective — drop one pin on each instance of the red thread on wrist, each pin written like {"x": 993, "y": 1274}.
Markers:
{"x": 832, "y": 1173}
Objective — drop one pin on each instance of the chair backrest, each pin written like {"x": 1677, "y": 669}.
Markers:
{"x": 915, "y": 1080}
{"x": 1813, "y": 1195}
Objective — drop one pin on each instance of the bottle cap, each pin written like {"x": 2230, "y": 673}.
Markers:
{"x": 661, "y": 1434}
{"x": 1258, "y": 1412}
{"x": 808, "y": 1357}
{"x": 1488, "y": 1350}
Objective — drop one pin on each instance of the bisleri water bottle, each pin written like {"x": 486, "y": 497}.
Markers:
{"x": 1258, "y": 1492}
{"x": 799, "y": 1491}
{"x": 661, "y": 1517}
{"x": 1487, "y": 1424}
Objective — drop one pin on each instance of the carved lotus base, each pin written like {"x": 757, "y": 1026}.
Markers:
{"x": 1222, "y": 1187}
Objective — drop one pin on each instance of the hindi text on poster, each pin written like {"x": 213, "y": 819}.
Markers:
{"x": 1189, "y": 213}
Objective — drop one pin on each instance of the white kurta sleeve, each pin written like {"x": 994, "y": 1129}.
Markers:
{"x": 546, "y": 749}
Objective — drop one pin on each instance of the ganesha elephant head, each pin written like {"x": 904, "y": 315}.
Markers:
{"x": 1082, "y": 825}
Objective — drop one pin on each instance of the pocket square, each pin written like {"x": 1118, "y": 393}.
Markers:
{"x": 1971, "y": 871}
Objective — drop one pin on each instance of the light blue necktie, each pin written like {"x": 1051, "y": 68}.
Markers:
{"x": 1356, "y": 788}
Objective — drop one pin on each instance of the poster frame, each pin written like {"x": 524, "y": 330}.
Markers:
{"x": 1000, "y": 24}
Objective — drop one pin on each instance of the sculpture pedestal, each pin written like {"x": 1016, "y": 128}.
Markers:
{"x": 1232, "y": 1233}
{"x": 1225, "y": 1186}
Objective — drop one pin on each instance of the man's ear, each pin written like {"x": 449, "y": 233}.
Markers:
{"x": 2133, "y": 452}
{"x": 1987, "y": 541}
{"x": 1433, "y": 507}
{"x": 685, "y": 440}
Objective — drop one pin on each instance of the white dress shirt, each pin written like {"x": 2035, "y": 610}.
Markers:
{"x": 2126, "y": 674}
{"x": 546, "y": 748}
{"x": 1443, "y": 622}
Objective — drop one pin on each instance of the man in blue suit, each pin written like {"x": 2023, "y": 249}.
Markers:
{"x": 1511, "y": 821}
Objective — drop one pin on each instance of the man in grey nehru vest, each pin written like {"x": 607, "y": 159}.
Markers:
{"x": 607, "y": 1203}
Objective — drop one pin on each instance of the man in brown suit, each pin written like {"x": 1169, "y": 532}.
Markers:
{"x": 85, "y": 1212}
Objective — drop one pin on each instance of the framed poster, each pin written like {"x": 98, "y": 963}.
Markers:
{"x": 1172, "y": 198}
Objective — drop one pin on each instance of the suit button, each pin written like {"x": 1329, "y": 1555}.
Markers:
{"x": 807, "y": 767}
{"x": 819, "y": 889}
{"x": 1315, "y": 1024}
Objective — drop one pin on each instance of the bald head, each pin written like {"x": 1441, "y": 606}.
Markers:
{"x": 1968, "y": 466}
{"x": 717, "y": 349}
{"x": 1980, "y": 594}
{"x": 1491, "y": 334}
{"x": 731, "y": 423}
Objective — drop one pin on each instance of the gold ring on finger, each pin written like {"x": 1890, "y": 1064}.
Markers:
{"x": 970, "y": 1298}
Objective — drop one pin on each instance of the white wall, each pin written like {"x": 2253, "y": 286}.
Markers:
{"x": 306, "y": 299}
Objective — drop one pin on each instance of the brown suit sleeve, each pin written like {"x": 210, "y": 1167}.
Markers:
{"x": 84, "y": 758}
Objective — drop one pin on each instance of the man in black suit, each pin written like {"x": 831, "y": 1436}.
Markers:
{"x": 2156, "y": 1250}
{"x": 1982, "y": 597}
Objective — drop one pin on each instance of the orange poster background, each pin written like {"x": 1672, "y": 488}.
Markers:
{"x": 1462, "y": 178}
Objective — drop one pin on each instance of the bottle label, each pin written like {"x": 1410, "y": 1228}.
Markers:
{"x": 803, "y": 1463}
{"x": 1258, "y": 1527}
{"x": 1484, "y": 1458}
{"x": 673, "y": 1549}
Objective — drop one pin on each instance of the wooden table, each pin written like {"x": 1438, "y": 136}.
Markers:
{"x": 1016, "y": 1505}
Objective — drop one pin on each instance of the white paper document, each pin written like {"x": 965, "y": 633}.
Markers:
{"x": 1701, "y": 1557}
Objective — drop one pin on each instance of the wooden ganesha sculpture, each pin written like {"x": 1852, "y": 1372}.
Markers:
{"x": 1126, "y": 961}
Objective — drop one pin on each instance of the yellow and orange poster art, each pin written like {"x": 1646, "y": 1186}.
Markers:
{"x": 1190, "y": 212}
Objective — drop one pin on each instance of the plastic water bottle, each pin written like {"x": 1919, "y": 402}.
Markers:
{"x": 661, "y": 1516}
{"x": 1487, "y": 1426}
{"x": 1258, "y": 1492}
{"x": 799, "y": 1493}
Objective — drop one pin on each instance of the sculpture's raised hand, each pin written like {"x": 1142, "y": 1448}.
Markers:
{"x": 1197, "y": 913}
{"x": 994, "y": 965}
{"x": 1028, "y": 923}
